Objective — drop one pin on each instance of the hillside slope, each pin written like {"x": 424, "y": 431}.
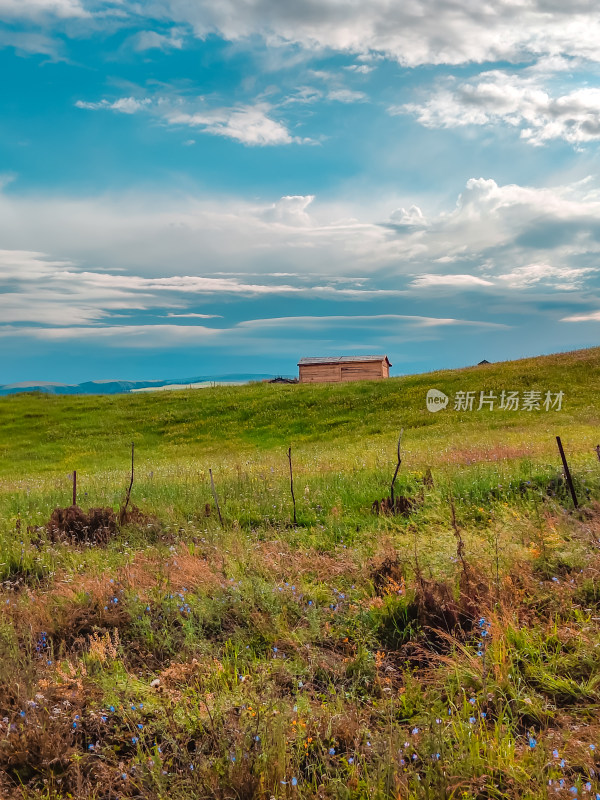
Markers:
{"x": 45, "y": 432}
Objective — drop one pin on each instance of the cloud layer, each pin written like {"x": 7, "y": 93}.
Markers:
{"x": 415, "y": 33}
{"x": 522, "y": 102}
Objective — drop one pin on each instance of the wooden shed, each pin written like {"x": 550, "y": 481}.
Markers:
{"x": 343, "y": 368}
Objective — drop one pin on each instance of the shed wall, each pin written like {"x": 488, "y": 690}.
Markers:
{"x": 336, "y": 373}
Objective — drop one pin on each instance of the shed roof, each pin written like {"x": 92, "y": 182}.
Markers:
{"x": 304, "y": 362}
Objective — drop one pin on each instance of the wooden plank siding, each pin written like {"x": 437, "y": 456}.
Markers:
{"x": 345, "y": 371}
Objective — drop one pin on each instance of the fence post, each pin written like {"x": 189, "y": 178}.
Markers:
{"x": 214, "y": 494}
{"x": 567, "y": 472}
{"x": 292, "y": 483}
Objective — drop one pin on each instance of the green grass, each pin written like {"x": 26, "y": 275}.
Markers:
{"x": 443, "y": 654}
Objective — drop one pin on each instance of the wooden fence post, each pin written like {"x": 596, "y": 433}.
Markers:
{"x": 214, "y": 494}
{"x": 567, "y": 472}
{"x": 397, "y": 468}
{"x": 128, "y": 494}
{"x": 292, "y": 483}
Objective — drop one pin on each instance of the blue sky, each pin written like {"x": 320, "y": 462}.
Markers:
{"x": 192, "y": 188}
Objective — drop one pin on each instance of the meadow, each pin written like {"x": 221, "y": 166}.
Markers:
{"x": 448, "y": 651}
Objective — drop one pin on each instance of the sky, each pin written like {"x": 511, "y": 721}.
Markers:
{"x": 190, "y": 187}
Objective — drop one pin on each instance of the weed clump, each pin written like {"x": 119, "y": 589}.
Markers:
{"x": 75, "y": 526}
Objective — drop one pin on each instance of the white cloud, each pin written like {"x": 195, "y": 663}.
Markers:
{"x": 518, "y": 101}
{"x": 413, "y": 33}
{"x": 32, "y": 42}
{"x": 151, "y": 40}
{"x": 559, "y": 278}
{"x": 195, "y": 316}
{"x": 361, "y": 69}
{"x": 593, "y": 316}
{"x": 126, "y": 105}
{"x": 411, "y": 219}
{"x": 346, "y": 96}
{"x": 150, "y": 336}
{"x": 290, "y": 210}
{"x": 370, "y": 320}
{"x": 458, "y": 281}
{"x": 35, "y": 8}
{"x": 250, "y": 125}
{"x": 157, "y": 336}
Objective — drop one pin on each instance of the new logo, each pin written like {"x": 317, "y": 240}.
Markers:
{"x": 436, "y": 400}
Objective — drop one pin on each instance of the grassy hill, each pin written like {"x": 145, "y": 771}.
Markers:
{"x": 447, "y": 650}
{"x": 51, "y": 433}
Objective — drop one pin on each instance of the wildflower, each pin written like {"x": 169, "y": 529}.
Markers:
{"x": 532, "y": 742}
{"x": 472, "y": 701}
{"x": 573, "y": 790}
{"x": 332, "y": 751}
{"x": 112, "y": 708}
{"x": 588, "y": 786}
{"x": 140, "y": 726}
{"x": 21, "y": 713}
{"x": 351, "y": 760}
{"x": 90, "y": 746}
{"x": 415, "y": 731}
{"x": 592, "y": 747}
{"x": 472, "y": 720}
{"x": 294, "y": 781}
{"x": 134, "y": 739}
{"x": 555, "y": 753}
{"x": 124, "y": 776}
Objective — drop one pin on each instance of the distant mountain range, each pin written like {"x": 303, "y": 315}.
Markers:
{"x": 123, "y": 387}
